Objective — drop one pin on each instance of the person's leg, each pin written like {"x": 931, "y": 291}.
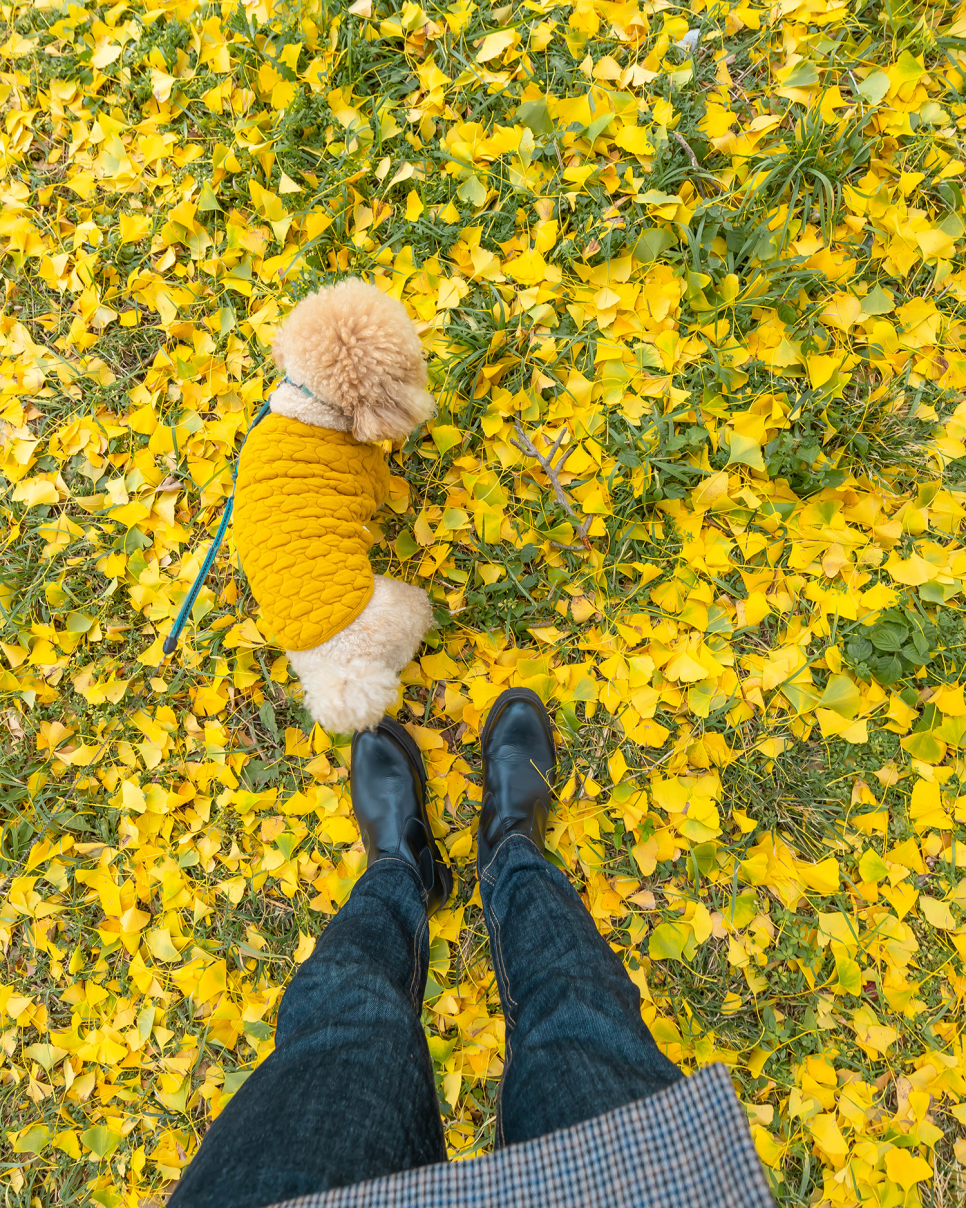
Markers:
{"x": 348, "y": 1094}
{"x": 576, "y": 1045}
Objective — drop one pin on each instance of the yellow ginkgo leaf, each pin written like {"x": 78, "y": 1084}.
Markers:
{"x": 906, "y": 1168}
{"x": 160, "y": 945}
{"x": 745, "y": 451}
{"x": 842, "y": 695}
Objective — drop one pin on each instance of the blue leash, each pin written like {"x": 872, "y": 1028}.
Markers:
{"x": 171, "y": 641}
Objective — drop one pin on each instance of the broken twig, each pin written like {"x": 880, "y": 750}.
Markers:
{"x": 526, "y": 445}
{"x": 683, "y": 142}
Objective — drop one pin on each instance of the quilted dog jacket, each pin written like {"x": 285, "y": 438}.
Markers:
{"x": 303, "y": 498}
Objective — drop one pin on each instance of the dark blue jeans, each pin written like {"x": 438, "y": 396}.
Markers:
{"x": 348, "y": 1093}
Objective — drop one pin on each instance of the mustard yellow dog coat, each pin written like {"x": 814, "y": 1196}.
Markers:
{"x": 303, "y": 498}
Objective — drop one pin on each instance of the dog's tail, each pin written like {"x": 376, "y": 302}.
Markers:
{"x": 346, "y": 696}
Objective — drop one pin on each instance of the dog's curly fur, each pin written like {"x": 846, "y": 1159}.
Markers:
{"x": 351, "y": 680}
{"x": 356, "y": 350}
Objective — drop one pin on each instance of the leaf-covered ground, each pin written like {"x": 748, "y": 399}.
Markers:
{"x": 706, "y": 265}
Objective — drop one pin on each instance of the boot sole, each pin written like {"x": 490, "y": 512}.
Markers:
{"x": 405, "y": 740}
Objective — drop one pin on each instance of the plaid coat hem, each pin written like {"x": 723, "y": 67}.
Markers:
{"x": 689, "y": 1147}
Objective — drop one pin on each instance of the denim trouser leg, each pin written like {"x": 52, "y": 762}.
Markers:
{"x": 348, "y": 1093}
{"x": 576, "y": 1045}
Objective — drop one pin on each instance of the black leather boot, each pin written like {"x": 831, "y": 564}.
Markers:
{"x": 388, "y": 784}
{"x": 519, "y": 771}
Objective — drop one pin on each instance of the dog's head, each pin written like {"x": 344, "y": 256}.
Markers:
{"x": 356, "y": 350}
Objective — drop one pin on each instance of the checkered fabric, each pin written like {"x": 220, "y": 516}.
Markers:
{"x": 689, "y": 1146}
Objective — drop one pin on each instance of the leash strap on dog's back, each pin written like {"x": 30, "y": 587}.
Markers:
{"x": 171, "y": 641}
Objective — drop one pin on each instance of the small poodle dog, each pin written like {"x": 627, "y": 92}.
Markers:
{"x": 310, "y": 479}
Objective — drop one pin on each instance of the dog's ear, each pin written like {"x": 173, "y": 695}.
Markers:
{"x": 278, "y": 350}
{"x": 356, "y": 349}
{"x": 400, "y": 410}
